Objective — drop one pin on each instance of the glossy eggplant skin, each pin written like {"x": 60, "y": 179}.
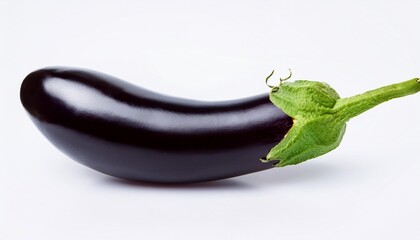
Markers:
{"x": 132, "y": 133}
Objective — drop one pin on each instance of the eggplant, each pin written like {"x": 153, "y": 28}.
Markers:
{"x": 129, "y": 132}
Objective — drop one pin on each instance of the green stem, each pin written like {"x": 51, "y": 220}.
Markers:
{"x": 348, "y": 108}
{"x": 320, "y": 116}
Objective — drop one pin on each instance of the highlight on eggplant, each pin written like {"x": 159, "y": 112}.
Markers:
{"x": 129, "y": 132}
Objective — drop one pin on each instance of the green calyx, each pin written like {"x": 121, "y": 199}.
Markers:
{"x": 320, "y": 116}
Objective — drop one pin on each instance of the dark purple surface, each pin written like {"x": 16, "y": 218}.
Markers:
{"x": 129, "y": 132}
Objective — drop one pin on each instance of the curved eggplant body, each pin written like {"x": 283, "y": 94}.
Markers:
{"x": 129, "y": 132}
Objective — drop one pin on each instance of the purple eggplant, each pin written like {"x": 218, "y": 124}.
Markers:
{"x": 129, "y": 132}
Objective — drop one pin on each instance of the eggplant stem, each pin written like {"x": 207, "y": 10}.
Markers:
{"x": 353, "y": 106}
{"x": 320, "y": 116}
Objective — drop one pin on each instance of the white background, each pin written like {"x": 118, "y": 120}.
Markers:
{"x": 369, "y": 188}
